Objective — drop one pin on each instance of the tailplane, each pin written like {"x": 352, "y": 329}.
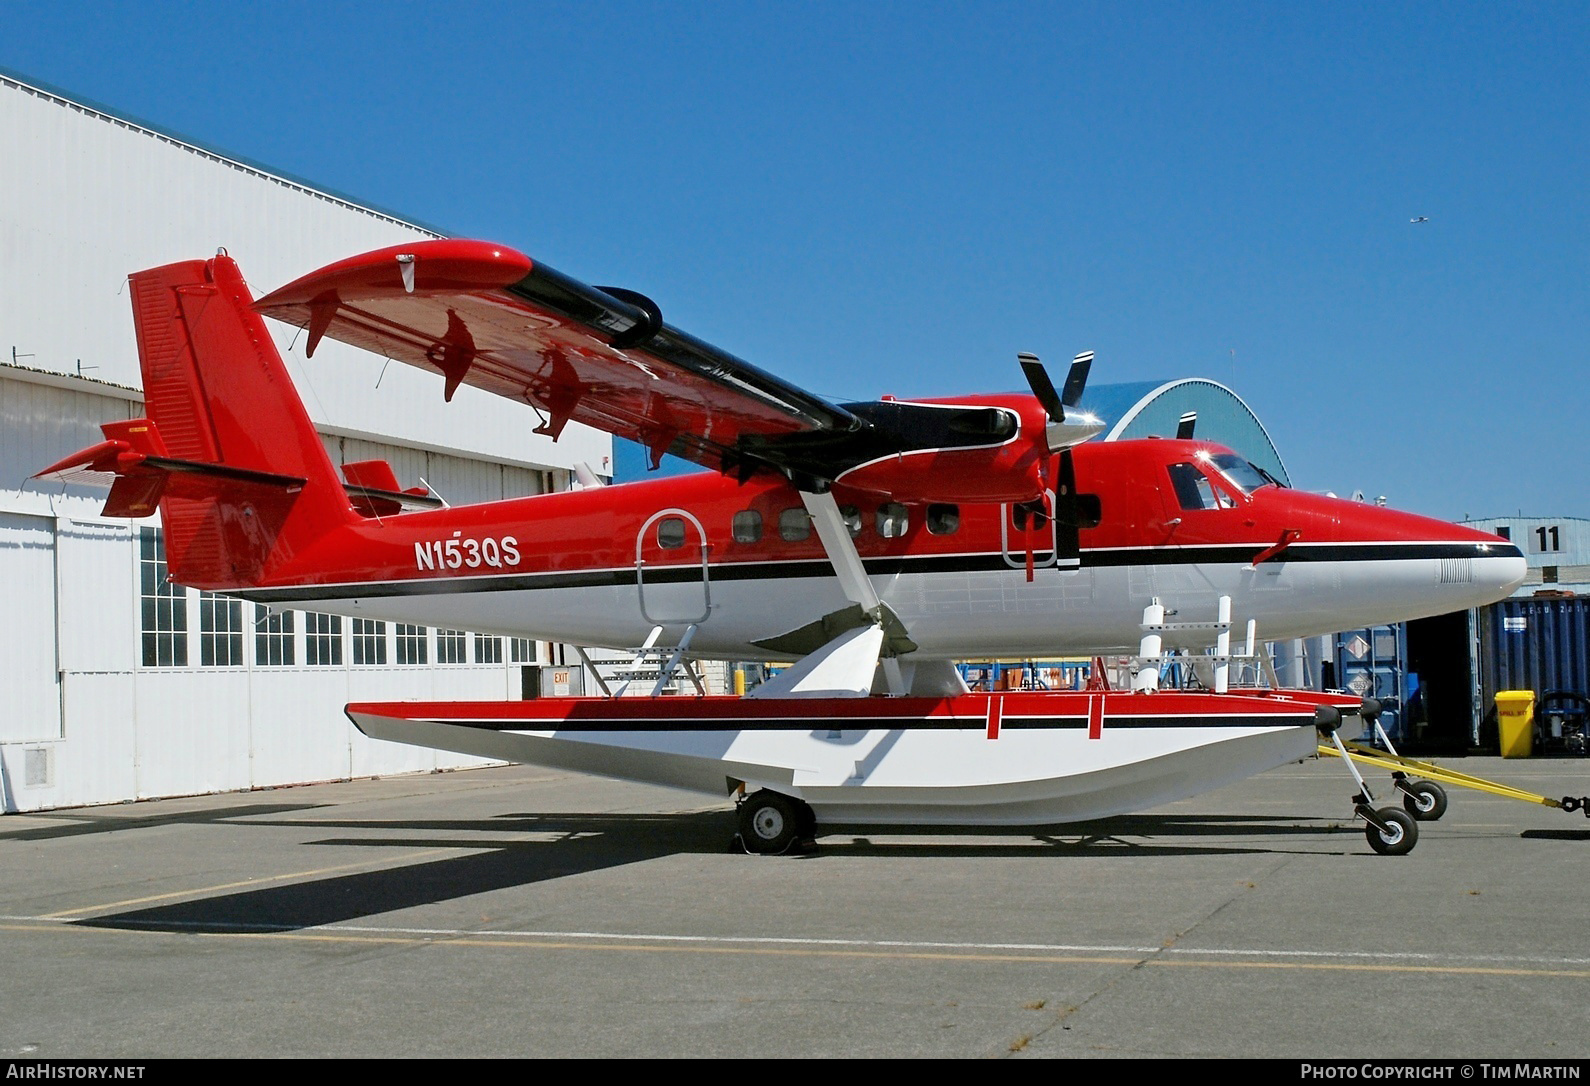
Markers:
{"x": 227, "y": 454}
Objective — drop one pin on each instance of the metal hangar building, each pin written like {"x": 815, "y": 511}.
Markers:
{"x": 118, "y": 685}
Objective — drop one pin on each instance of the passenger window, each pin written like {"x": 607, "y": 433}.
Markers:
{"x": 794, "y": 525}
{"x": 893, "y": 520}
{"x": 1029, "y": 515}
{"x": 748, "y": 526}
{"x": 1194, "y": 491}
{"x": 852, "y": 518}
{"x": 943, "y": 519}
{"x": 670, "y": 533}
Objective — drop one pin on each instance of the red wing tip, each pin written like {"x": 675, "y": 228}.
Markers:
{"x": 446, "y": 265}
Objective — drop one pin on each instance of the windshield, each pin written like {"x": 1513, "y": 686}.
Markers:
{"x": 1241, "y": 473}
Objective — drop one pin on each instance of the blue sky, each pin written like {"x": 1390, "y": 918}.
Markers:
{"x": 896, "y": 198}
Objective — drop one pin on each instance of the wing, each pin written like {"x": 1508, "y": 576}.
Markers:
{"x": 488, "y": 316}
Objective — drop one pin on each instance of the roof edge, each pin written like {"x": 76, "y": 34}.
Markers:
{"x": 38, "y": 87}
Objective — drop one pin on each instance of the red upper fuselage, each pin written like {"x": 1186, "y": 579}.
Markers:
{"x": 599, "y": 529}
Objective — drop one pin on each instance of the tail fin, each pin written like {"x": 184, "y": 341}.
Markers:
{"x": 239, "y": 473}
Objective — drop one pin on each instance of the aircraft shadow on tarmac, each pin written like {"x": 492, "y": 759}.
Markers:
{"x": 555, "y": 846}
{"x": 68, "y": 824}
{"x": 561, "y": 845}
{"x": 1556, "y": 835}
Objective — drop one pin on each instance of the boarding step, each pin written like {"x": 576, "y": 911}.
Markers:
{"x": 650, "y": 663}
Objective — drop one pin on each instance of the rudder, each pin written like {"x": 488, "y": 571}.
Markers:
{"x": 219, "y": 394}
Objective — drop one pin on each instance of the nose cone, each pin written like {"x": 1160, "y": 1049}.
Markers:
{"x": 1452, "y": 567}
{"x": 1498, "y": 570}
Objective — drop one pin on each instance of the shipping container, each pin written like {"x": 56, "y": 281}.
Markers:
{"x": 1534, "y": 643}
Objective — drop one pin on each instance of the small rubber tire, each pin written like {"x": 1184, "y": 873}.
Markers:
{"x": 805, "y": 820}
{"x": 1402, "y": 836}
{"x": 769, "y": 823}
{"x": 1425, "y": 801}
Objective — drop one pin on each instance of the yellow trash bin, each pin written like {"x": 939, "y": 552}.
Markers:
{"x": 1515, "y": 722}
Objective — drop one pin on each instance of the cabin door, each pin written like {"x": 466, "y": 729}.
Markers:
{"x": 1029, "y": 526}
{"x": 672, "y": 579}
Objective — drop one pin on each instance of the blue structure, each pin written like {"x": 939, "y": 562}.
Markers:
{"x": 1154, "y": 409}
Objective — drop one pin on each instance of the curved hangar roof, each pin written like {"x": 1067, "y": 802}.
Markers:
{"x": 1154, "y": 408}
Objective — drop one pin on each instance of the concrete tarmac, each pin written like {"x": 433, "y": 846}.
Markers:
{"x": 526, "y": 912}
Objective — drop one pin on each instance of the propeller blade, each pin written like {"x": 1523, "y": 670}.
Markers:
{"x": 1184, "y": 430}
{"x": 1042, "y": 387}
{"x": 1077, "y": 379}
{"x": 1072, "y": 513}
{"x": 1068, "y": 539}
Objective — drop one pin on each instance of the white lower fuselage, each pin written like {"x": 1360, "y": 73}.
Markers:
{"x": 988, "y": 610}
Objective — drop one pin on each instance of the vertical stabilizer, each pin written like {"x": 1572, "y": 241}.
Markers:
{"x": 219, "y": 394}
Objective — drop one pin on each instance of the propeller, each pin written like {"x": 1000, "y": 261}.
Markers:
{"x": 1068, "y": 426}
{"x": 1184, "y": 429}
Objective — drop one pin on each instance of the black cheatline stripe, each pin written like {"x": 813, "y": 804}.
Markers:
{"x": 1157, "y": 722}
{"x": 1298, "y": 552}
{"x": 1153, "y": 722}
{"x": 1043, "y": 723}
{"x": 991, "y": 562}
{"x": 823, "y": 724}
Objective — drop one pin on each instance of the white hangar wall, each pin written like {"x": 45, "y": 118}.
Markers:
{"x": 100, "y": 704}
{"x": 86, "y": 198}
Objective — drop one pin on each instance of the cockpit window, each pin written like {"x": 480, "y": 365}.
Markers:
{"x": 1194, "y": 490}
{"x": 1245, "y": 476}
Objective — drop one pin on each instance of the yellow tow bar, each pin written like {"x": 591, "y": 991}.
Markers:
{"x": 1376, "y": 757}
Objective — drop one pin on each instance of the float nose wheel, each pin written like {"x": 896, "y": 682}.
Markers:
{"x": 1389, "y": 831}
{"x": 1424, "y": 800}
{"x": 772, "y": 823}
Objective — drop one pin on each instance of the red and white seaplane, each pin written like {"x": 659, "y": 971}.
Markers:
{"x": 872, "y": 543}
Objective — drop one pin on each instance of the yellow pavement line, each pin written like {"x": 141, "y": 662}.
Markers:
{"x": 816, "y": 952}
{"x": 260, "y": 881}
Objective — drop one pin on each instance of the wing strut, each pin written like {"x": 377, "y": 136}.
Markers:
{"x": 853, "y": 581}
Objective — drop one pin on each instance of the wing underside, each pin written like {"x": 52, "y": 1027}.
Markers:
{"x": 487, "y": 316}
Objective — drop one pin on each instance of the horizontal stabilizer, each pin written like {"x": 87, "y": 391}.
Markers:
{"x": 374, "y": 490}
{"x": 126, "y": 443}
{"x": 131, "y": 461}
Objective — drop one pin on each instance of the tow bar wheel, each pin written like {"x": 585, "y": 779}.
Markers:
{"x": 1399, "y": 836}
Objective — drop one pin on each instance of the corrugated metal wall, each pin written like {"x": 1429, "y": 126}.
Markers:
{"x": 460, "y": 480}
{"x": 40, "y": 424}
{"x": 1535, "y": 644}
{"x": 28, "y": 675}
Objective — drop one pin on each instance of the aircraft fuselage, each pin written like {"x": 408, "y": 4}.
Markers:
{"x": 603, "y": 566}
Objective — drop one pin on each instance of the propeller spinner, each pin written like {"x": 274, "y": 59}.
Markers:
{"x": 1068, "y": 426}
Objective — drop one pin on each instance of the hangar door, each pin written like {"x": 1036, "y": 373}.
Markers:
{"x": 28, "y": 672}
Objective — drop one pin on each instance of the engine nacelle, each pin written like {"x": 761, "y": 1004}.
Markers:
{"x": 988, "y": 449}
